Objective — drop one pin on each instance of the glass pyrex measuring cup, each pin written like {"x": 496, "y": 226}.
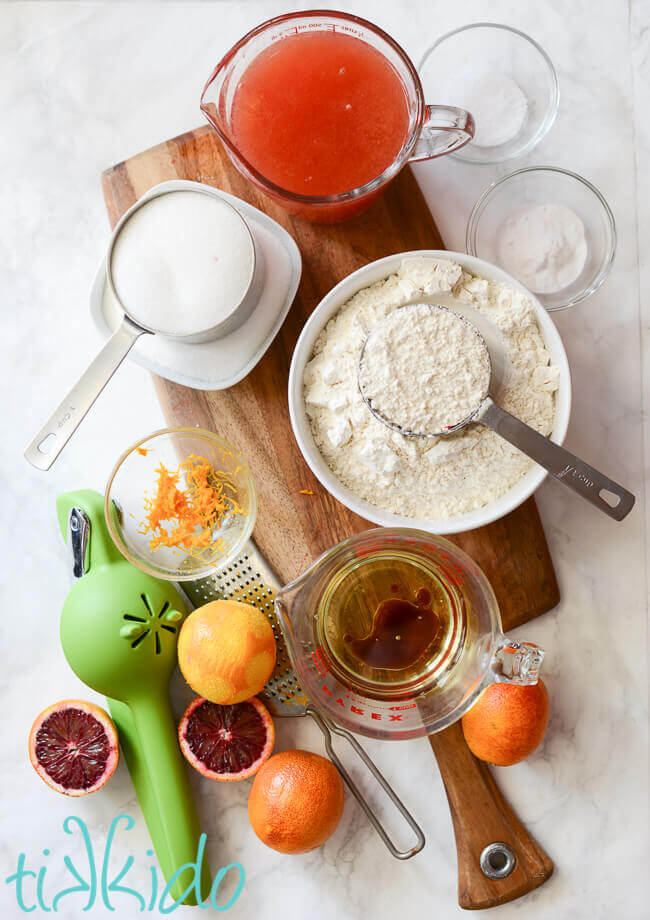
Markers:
{"x": 433, "y": 130}
{"x": 332, "y": 610}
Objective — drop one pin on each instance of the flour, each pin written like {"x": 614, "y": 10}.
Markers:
{"x": 497, "y": 103}
{"x": 544, "y": 247}
{"x": 420, "y": 477}
{"x": 424, "y": 368}
{"x": 183, "y": 262}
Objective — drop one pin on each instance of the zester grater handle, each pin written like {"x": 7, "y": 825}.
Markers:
{"x": 327, "y": 727}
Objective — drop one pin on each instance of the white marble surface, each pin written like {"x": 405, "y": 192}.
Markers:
{"x": 86, "y": 85}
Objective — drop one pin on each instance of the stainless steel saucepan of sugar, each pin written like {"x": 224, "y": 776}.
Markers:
{"x": 181, "y": 264}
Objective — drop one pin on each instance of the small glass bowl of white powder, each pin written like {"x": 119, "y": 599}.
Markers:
{"x": 504, "y": 78}
{"x": 550, "y": 228}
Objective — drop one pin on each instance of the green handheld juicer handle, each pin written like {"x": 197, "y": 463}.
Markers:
{"x": 119, "y": 629}
{"x": 150, "y": 747}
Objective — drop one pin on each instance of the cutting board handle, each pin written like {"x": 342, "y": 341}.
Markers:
{"x": 481, "y": 816}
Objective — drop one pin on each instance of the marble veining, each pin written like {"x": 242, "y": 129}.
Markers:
{"x": 84, "y": 86}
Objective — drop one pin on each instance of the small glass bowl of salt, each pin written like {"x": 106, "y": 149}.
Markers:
{"x": 504, "y": 78}
{"x": 548, "y": 227}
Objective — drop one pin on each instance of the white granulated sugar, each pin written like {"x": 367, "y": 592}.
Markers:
{"x": 183, "y": 262}
{"x": 544, "y": 247}
{"x": 498, "y": 104}
{"x": 421, "y": 477}
{"x": 425, "y": 369}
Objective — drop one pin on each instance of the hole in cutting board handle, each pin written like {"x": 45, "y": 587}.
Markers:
{"x": 497, "y": 860}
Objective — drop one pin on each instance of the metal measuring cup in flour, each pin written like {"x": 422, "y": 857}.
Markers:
{"x": 141, "y": 319}
{"x": 469, "y": 394}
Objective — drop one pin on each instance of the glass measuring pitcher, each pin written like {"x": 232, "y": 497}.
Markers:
{"x": 395, "y": 632}
{"x": 425, "y": 131}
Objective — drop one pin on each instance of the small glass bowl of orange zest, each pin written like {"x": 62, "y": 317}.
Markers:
{"x": 180, "y": 503}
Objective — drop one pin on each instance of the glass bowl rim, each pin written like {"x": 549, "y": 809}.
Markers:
{"x": 138, "y": 561}
{"x": 554, "y": 105}
{"x": 606, "y": 266}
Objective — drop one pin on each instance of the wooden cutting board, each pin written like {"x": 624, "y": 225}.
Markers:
{"x": 297, "y": 518}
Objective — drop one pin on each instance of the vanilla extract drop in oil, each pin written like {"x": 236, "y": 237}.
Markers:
{"x": 390, "y": 620}
{"x": 402, "y": 631}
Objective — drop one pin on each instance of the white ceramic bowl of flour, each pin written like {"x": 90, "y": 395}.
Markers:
{"x": 329, "y": 306}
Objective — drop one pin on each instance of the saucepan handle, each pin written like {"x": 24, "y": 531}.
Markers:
{"x": 66, "y": 418}
{"x": 327, "y": 727}
{"x": 597, "y": 488}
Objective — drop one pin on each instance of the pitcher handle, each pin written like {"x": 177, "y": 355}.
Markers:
{"x": 327, "y": 727}
{"x": 517, "y": 663}
{"x": 445, "y": 129}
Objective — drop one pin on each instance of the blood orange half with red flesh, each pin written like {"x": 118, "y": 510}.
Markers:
{"x": 73, "y": 746}
{"x": 226, "y": 742}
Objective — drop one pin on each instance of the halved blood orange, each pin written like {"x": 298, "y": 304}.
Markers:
{"x": 73, "y": 746}
{"x": 226, "y": 742}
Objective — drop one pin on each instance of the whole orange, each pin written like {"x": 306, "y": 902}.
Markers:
{"x": 296, "y": 801}
{"x": 507, "y": 722}
{"x": 226, "y": 651}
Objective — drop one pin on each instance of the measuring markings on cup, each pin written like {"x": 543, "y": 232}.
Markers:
{"x": 391, "y": 714}
{"x": 572, "y": 471}
{"x": 66, "y": 417}
{"x": 46, "y": 445}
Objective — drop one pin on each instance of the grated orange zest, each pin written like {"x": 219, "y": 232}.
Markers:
{"x": 186, "y": 517}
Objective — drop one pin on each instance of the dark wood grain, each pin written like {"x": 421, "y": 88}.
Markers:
{"x": 293, "y": 527}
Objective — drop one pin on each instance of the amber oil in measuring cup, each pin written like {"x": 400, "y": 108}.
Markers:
{"x": 391, "y": 624}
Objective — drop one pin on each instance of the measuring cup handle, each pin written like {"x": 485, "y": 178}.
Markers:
{"x": 55, "y": 434}
{"x": 569, "y": 469}
{"x": 327, "y": 727}
{"x": 444, "y": 130}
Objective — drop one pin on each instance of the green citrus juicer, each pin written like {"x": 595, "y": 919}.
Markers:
{"x": 119, "y": 630}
